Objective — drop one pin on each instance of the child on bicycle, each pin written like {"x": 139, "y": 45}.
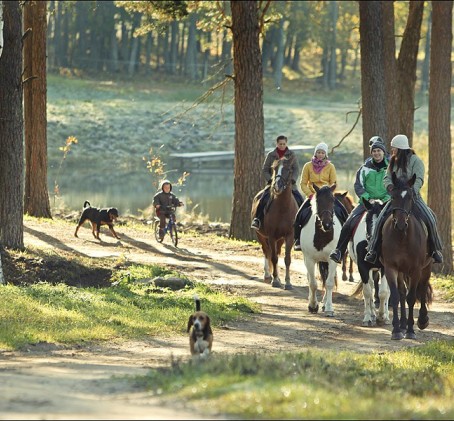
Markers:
{"x": 163, "y": 201}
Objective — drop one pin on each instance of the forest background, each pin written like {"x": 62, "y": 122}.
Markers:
{"x": 315, "y": 47}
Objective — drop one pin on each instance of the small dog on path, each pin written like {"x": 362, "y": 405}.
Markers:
{"x": 98, "y": 217}
{"x": 200, "y": 333}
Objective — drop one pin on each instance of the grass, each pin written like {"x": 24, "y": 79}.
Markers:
{"x": 416, "y": 383}
{"x": 60, "y": 313}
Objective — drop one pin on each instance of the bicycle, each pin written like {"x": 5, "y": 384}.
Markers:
{"x": 170, "y": 228}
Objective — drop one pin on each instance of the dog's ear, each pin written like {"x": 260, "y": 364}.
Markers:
{"x": 190, "y": 322}
{"x": 207, "y": 328}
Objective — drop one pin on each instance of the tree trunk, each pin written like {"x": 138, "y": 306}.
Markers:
{"x": 279, "y": 61}
{"x": 333, "y": 41}
{"x": 11, "y": 130}
{"x": 373, "y": 96}
{"x": 406, "y": 65}
{"x": 426, "y": 61}
{"x": 36, "y": 198}
{"x": 249, "y": 121}
{"x": 390, "y": 69}
{"x": 440, "y": 161}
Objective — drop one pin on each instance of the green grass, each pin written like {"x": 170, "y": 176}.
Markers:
{"x": 60, "y": 313}
{"x": 417, "y": 383}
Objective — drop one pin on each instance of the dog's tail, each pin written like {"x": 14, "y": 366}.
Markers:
{"x": 87, "y": 204}
{"x": 197, "y": 302}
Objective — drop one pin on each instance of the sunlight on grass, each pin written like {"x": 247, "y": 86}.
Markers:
{"x": 64, "y": 314}
{"x": 302, "y": 385}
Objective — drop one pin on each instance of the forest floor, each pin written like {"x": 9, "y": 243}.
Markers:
{"x": 93, "y": 381}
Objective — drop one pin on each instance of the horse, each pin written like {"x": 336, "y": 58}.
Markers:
{"x": 347, "y": 200}
{"x": 373, "y": 282}
{"x": 277, "y": 227}
{"x": 318, "y": 237}
{"x": 405, "y": 258}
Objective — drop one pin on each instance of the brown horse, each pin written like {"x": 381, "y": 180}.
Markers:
{"x": 277, "y": 227}
{"x": 347, "y": 200}
{"x": 405, "y": 258}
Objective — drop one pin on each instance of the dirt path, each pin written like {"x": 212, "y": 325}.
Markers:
{"x": 53, "y": 382}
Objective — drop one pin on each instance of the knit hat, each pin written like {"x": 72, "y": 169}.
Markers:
{"x": 321, "y": 147}
{"x": 377, "y": 142}
{"x": 400, "y": 141}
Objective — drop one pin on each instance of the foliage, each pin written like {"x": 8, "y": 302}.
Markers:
{"x": 66, "y": 149}
{"x": 415, "y": 383}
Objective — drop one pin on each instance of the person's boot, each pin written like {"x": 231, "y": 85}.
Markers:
{"x": 437, "y": 256}
{"x": 297, "y": 245}
{"x": 371, "y": 257}
{"x": 336, "y": 256}
{"x": 255, "y": 224}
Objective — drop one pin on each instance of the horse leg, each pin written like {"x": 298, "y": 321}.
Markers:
{"x": 329, "y": 287}
{"x": 383, "y": 293}
{"x": 403, "y": 305}
{"x": 391, "y": 276}
{"x": 276, "y": 282}
{"x": 313, "y": 303}
{"x": 344, "y": 267}
{"x": 411, "y": 300}
{"x": 368, "y": 319}
{"x": 424, "y": 296}
{"x": 288, "y": 260}
{"x": 266, "y": 263}
{"x": 376, "y": 289}
{"x": 350, "y": 278}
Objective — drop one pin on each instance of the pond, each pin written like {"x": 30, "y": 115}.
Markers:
{"x": 207, "y": 193}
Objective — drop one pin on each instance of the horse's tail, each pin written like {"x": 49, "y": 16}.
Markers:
{"x": 424, "y": 291}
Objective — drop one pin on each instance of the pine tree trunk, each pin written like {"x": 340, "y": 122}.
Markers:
{"x": 440, "y": 161}
{"x": 36, "y": 198}
{"x": 249, "y": 121}
{"x": 11, "y": 130}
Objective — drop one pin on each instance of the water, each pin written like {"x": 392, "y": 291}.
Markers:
{"x": 206, "y": 193}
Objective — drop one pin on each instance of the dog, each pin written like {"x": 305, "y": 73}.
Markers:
{"x": 200, "y": 333}
{"x": 98, "y": 217}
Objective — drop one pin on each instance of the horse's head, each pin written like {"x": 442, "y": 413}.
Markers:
{"x": 324, "y": 198}
{"x": 282, "y": 175}
{"x": 402, "y": 199}
{"x": 374, "y": 207}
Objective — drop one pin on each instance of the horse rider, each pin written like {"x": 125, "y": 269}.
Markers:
{"x": 405, "y": 162}
{"x": 321, "y": 172}
{"x": 281, "y": 151}
{"x": 368, "y": 186}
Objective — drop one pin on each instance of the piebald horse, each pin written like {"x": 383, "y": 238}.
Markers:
{"x": 318, "y": 238}
{"x": 372, "y": 275}
{"x": 277, "y": 226}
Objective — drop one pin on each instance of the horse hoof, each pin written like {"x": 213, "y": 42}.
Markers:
{"x": 268, "y": 280}
{"x": 276, "y": 284}
{"x": 397, "y": 336}
{"x": 351, "y": 279}
{"x": 367, "y": 323}
{"x": 288, "y": 286}
{"x": 423, "y": 325}
{"x": 410, "y": 335}
{"x": 313, "y": 310}
{"x": 344, "y": 277}
{"x": 329, "y": 313}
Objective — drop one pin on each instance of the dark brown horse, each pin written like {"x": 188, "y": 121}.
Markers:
{"x": 277, "y": 227}
{"x": 347, "y": 200}
{"x": 405, "y": 258}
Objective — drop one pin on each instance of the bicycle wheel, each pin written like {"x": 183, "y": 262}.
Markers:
{"x": 174, "y": 234}
{"x": 156, "y": 232}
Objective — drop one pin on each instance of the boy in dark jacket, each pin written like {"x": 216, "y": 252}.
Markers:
{"x": 162, "y": 201}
